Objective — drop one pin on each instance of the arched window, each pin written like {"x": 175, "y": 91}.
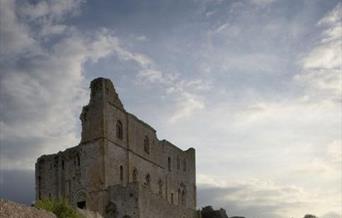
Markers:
{"x": 119, "y": 130}
{"x": 169, "y": 163}
{"x": 184, "y": 165}
{"x": 183, "y": 197}
{"x": 179, "y": 196}
{"x": 121, "y": 173}
{"x": 135, "y": 175}
{"x": 78, "y": 160}
{"x": 171, "y": 198}
{"x": 148, "y": 180}
{"x": 147, "y": 145}
{"x": 182, "y": 194}
{"x": 160, "y": 185}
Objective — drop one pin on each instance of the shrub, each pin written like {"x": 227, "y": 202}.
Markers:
{"x": 60, "y": 208}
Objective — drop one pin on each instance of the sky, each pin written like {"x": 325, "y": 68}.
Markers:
{"x": 253, "y": 85}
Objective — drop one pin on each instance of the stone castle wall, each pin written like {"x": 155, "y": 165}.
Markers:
{"x": 117, "y": 148}
{"x": 137, "y": 201}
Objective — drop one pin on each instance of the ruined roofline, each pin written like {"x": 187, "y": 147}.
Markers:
{"x": 175, "y": 146}
{"x": 69, "y": 149}
{"x": 160, "y": 140}
{"x": 117, "y": 104}
{"x": 60, "y": 152}
{"x": 105, "y": 88}
{"x": 121, "y": 107}
{"x": 99, "y": 82}
{"x": 141, "y": 121}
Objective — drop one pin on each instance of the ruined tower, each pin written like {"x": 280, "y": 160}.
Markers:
{"x": 120, "y": 168}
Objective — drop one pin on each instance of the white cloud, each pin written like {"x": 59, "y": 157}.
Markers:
{"x": 49, "y": 29}
{"x": 139, "y": 58}
{"x": 186, "y": 105}
{"x": 333, "y": 16}
{"x": 141, "y": 38}
{"x": 15, "y": 36}
{"x": 55, "y": 10}
{"x": 184, "y": 92}
{"x": 262, "y": 2}
{"x": 334, "y": 152}
{"x": 293, "y": 142}
{"x": 239, "y": 136}
{"x": 290, "y": 142}
{"x": 151, "y": 75}
{"x": 49, "y": 94}
{"x": 322, "y": 67}
{"x": 44, "y": 92}
{"x": 255, "y": 197}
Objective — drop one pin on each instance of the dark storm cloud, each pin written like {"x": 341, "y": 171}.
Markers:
{"x": 17, "y": 151}
{"x": 17, "y": 185}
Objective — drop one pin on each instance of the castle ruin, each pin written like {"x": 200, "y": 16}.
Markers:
{"x": 120, "y": 168}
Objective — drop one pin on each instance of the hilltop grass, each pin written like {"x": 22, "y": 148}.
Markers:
{"x": 61, "y": 208}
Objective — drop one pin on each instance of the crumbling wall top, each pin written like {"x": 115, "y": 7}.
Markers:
{"x": 103, "y": 89}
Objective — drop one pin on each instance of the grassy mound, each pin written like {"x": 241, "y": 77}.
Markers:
{"x": 61, "y": 208}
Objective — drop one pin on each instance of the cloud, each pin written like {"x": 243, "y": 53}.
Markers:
{"x": 48, "y": 91}
{"x": 17, "y": 185}
{"x": 322, "y": 66}
{"x": 141, "y": 38}
{"x": 185, "y": 93}
{"x": 187, "y": 104}
{"x": 295, "y": 144}
{"x": 151, "y": 75}
{"x": 333, "y": 17}
{"x": 292, "y": 141}
{"x": 256, "y": 198}
{"x": 262, "y": 2}
{"x": 52, "y": 10}
{"x": 139, "y": 58}
{"x": 251, "y": 127}
{"x": 15, "y": 36}
{"x": 331, "y": 215}
{"x": 43, "y": 88}
{"x": 223, "y": 80}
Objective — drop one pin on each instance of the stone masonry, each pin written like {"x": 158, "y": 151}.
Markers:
{"x": 120, "y": 168}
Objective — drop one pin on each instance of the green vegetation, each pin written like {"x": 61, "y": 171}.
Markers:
{"x": 310, "y": 216}
{"x": 60, "y": 208}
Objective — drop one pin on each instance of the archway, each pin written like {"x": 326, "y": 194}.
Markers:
{"x": 80, "y": 199}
